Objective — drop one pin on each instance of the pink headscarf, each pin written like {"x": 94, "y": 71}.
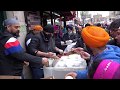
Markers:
{"x": 56, "y": 27}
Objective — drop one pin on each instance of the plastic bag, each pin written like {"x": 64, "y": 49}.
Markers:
{"x": 69, "y": 47}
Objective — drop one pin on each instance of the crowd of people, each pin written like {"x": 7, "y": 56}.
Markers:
{"x": 97, "y": 44}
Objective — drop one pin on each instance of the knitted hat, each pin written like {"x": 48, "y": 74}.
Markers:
{"x": 10, "y": 21}
{"x": 49, "y": 28}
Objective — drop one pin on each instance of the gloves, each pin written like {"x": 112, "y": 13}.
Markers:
{"x": 61, "y": 51}
{"x": 62, "y": 43}
{"x": 68, "y": 42}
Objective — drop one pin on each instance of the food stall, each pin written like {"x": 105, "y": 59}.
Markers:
{"x": 58, "y": 68}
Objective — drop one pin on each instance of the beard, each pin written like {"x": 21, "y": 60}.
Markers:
{"x": 47, "y": 37}
{"x": 89, "y": 50}
{"x": 117, "y": 42}
{"x": 16, "y": 34}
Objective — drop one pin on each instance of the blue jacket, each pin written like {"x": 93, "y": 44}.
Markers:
{"x": 111, "y": 53}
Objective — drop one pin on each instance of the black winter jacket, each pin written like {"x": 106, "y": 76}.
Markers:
{"x": 12, "y": 55}
{"x": 39, "y": 43}
{"x": 28, "y": 37}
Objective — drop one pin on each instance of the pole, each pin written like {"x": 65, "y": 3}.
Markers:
{"x": 64, "y": 22}
{"x": 51, "y": 17}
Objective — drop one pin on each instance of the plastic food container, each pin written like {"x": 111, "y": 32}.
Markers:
{"x": 59, "y": 72}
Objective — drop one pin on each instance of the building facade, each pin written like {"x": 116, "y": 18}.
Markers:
{"x": 114, "y": 15}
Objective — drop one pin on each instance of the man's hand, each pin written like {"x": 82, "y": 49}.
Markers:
{"x": 77, "y": 50}
{"x": 81, "y": 51}
{"x": 85, "y": 55}
{"x": 50, "y": 54}
{"x": 72, "y": 74}
{"x": 45, "y": 62}
{"x": 26, "y": 63}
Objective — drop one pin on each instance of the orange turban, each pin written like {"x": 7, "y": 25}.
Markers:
{"x": 94, "y": 36}
{"x": 37, "y": 28}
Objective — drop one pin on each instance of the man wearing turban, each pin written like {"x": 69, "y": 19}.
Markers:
{"x": 36, "y": 30}
{"x": 95, "y": 39}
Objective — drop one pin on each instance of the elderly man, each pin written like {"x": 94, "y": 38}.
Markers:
{"x": 12, "y": 54}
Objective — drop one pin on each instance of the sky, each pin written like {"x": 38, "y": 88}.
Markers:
{"x": 104, "y": 13}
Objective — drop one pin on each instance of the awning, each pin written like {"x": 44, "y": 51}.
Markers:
{"x": 69, "y": 15}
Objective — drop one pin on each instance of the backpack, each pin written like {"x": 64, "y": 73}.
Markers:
{"x": 107, "y": 69}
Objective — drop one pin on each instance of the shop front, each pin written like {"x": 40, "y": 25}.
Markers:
{"x": 39, "y": 18}
{"x": 2, "y": 18}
